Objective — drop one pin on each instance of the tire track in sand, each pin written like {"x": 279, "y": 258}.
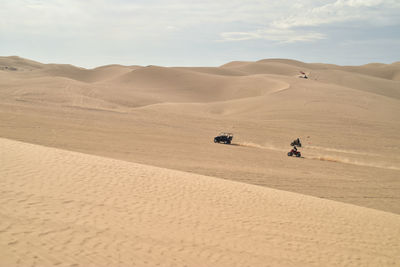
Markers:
{"x": 327, "y": 157}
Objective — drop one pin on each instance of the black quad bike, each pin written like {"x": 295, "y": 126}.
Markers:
{"x": 294, "y": 153}
{"x": 296, "y": 143}
{"x": 224, "y": 138}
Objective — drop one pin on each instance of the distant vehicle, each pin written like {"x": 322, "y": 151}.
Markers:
{"x": 296, "y": 143}
{"x": 303, "y": 75}
{"x": 224, "y": 138}
{"x": 294, "y": 152}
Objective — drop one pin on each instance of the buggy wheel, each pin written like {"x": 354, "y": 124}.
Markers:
{"x": 298, "y": 155}
{"x": 289, "y": 154}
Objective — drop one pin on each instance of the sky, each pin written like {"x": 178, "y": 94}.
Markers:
{"x": 92, "y": 33}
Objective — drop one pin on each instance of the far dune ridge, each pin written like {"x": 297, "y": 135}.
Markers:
{"x": 67, "y": 209}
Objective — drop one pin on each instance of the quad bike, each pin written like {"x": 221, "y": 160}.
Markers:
{"x": 294, "y": 153}
{"x": 224, "y": 138}
{"x": 296, "y": 143}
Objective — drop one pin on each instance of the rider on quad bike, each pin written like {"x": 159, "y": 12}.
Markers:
{"x": 294, "y": 152}
{"x": 296, "y": 143}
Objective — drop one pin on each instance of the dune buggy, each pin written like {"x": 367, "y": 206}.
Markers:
{"x": 224, "y": 138}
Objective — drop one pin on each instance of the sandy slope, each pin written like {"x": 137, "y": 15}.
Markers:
{"x": 347, "y": 118}
{"x": 70, "y": 209}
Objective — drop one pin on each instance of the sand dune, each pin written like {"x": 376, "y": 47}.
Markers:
{"x": 268, "y": 67}
{"x": 165, "y": 203}
{"x": 167, "y": 117}
{"x": 68, "y": 209}
{"x": 214, "y": 71}
{"x": 19, "y": 64}
{"x": 132, "y": 87}
{"x": 390, "y": 72}
{"x": 180, "y": 85}
{"x": 370, "y": 84}
{"x": 84, "y": 75}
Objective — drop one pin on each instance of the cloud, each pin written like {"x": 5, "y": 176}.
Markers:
{"x": 239, "y": 36}
{"x": 152, "y": 15}
{"x": 369, "y": 11}
{"x": 272, "y": 34}
{"x": 300, "y": 24}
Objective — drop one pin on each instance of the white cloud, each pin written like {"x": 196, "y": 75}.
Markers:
{"x": 25, "y": 15}
{"x": 239, "y": 36}
{"x": 368, "y": 11}
{"x": 358, "y": 3}
{"x": 287, "y": 28}
{"x": 278, "y": 35}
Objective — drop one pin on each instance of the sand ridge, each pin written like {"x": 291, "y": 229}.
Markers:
{"x": 68, "y": 209}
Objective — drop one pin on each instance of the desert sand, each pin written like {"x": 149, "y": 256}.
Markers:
{"x": 70, "y": 209}
{"x": 116, "y": 165}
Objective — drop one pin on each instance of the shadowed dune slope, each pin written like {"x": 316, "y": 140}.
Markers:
{"x": 34, "y": 69}
{"x": 85, "y": 75}
{"x": 180, "y": 85}
{"x": 390, "y": 71}
{"x": 280, "y": 67}
{"x": 372, "y": 84}
{"x": 214, "y": 71}
{"x": 65, "y": 208}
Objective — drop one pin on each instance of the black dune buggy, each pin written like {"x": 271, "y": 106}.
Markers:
{"x": 224, "y": 138}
